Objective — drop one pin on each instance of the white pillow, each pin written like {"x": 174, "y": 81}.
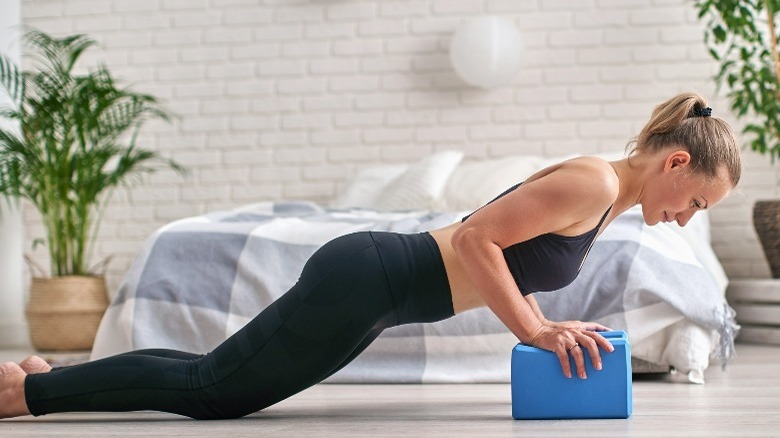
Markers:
{"x": 474, "y": 184}
{"x": 367, "y": 185}
{"x": 421, "y": 184}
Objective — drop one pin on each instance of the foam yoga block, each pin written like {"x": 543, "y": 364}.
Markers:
{"x": 541, "y": 391}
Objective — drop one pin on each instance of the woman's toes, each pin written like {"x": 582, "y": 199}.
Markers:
{"x": 34, "y": 365}
{"x": 12, "y": 402}
{"x": 9, "y": 370}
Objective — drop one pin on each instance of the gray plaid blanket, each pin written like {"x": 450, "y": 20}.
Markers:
{"x": 198, "y": 280}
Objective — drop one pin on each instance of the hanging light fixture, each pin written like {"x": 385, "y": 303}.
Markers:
{"x": 485, "y": 51}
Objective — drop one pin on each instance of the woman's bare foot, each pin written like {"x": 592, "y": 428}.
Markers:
{"x": 34, "y": 365}
{"x": 12, "y": 402}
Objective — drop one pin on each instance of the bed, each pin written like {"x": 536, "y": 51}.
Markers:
{"x": 199, "y": 279}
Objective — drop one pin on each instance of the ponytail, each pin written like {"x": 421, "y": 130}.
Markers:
{"x": 685, "y": 121}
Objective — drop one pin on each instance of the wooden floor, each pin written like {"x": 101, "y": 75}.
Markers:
{"x": 741, "y": 402}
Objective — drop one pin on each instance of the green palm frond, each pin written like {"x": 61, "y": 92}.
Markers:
{"x": 75, "y": 143}
{"x": 60, "y": 54}
{"x": 11, "y": 79}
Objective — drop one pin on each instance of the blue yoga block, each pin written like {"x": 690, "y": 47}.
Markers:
{"x": 541, "y": 391}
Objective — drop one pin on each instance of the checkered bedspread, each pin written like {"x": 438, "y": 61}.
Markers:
{"x": 198, "y": 280}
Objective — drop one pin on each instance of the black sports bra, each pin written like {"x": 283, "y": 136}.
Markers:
{"x": 549, "y": 261}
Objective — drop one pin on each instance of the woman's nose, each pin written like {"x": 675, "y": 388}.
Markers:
{"x": 684, "y": 217}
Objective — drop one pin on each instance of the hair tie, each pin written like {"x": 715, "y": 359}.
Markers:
{"x": 702, "y": 112}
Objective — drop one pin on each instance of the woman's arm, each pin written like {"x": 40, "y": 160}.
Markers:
{"x": 535, "y": 307}
{"x": 484, "y": 264}
{"x": 569, "y": 200}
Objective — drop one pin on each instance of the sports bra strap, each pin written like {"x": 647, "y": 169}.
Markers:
{"x": 603, "y": 218}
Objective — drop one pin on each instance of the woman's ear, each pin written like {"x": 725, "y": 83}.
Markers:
{"x": 677, "y": 160}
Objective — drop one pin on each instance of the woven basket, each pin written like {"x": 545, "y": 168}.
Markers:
{"x": 766, "y": 220}
{"x": 64, "y": 312}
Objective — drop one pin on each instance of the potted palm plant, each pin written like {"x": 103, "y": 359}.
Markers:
{"x": 73, "y": 141}
{"x": 741, "y": 36}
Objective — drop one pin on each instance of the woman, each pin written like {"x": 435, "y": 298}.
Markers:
{"x": 532, "y": 238}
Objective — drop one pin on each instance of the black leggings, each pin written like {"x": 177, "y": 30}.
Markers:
{"x": 350, "y": 290}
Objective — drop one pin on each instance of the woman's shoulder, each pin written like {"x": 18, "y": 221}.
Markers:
{"x": 593, "y": 176}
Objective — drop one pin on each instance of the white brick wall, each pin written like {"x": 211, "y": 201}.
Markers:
{"x": 12, "y": 285}
{"x": 285, "y": 100}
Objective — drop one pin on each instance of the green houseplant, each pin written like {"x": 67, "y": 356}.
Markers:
{"x": 72, "y": 142}
{"x": 741, "y": 35}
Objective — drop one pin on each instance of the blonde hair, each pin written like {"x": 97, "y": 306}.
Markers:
{"x": 679, "y": 122}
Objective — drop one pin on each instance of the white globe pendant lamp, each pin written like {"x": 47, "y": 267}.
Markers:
{"x": 485, "y": 51}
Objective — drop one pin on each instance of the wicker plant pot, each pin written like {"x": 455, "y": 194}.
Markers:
{"x": 766, "y": 220}
{"x": 64, "y": 312}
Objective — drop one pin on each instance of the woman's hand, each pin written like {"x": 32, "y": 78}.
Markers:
{"x": 572, "y": 337}
{"x": 577, "y": 325}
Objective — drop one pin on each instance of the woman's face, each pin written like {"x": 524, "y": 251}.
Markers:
{"x": 676, "y": 193}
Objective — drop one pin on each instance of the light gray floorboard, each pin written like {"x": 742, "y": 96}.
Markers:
{"x": 741, "y": 402}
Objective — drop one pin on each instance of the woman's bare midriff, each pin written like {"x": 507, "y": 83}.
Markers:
{"x": 464, "y": 294}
